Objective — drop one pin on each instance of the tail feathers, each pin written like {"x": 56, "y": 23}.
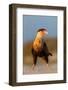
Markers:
{"x": 50, "y": 54}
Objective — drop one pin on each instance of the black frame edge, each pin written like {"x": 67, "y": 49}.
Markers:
{"x": 38, "y": 6}
{"x": 12, "y": 44}
{"x": 65, "y": 44}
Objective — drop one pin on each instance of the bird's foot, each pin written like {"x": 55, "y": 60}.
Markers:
{"x": 34, "y": 67}
{"x": 47, "y": 65}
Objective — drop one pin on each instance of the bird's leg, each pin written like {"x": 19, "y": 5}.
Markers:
{"x": 34, "y": 61}
{"x": 46, "y": 59}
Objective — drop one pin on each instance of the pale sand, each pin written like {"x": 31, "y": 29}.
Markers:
{"x": 41, "y": 67}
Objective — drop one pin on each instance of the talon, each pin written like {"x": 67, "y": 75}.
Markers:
{"x": 33, "y": 66}
{"x": 47, "y": 65}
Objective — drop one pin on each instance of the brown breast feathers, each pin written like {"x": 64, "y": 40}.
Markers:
{"x": 37, "y": 45}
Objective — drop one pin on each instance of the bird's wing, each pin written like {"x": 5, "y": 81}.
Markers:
{"x": 45, "y": 47}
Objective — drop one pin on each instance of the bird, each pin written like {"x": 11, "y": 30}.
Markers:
{"x": 39, "y": 46}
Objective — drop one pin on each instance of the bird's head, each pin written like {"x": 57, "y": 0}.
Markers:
{"x": 42, "y": 32}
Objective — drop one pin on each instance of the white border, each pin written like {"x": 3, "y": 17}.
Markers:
{"x": 60, "y": 55}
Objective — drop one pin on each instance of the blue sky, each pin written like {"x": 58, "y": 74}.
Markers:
{"x": 31, "y": 23}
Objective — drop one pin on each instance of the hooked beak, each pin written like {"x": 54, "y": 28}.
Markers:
{"x": 46, "y": 33}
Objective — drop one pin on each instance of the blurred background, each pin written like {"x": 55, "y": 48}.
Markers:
{"x": 31, "y": 23}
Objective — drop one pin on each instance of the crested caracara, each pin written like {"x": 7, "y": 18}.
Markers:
{"x": 39, "y": 47}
